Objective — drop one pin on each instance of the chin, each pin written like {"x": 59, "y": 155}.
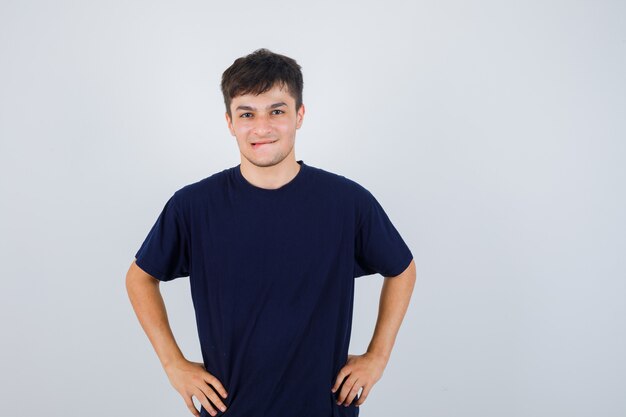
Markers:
{"x": 266, "y": 162}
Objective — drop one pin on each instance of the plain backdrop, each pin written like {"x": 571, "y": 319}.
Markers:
{"x": 493, "y": 134}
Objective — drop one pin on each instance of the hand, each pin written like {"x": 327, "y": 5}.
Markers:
{"x": 192, "y": 379}
{"x": 363, "y": 371}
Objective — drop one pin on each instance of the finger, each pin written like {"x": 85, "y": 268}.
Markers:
{"x": 191, "y": 406}
{"x": 340, "y": 376}
{"x": 204, "y": 401}
{"x": 208, "y": 391}
{"x": 364, "y": 394}
{"x": 352, "y": 393}
{"x": 216, "y": 384}
{"x": 345, "y": 390}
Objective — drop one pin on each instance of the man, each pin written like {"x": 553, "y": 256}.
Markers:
{"x": 272, "y": 247}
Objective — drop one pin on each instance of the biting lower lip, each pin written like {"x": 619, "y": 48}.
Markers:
{"x": 254, "y": 145}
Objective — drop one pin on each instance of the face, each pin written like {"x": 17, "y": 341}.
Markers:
{"x": 265, "y": 126}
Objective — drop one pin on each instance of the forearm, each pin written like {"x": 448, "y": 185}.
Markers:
{"x": 149, "y": 307}
{"x": 394, "y": 302}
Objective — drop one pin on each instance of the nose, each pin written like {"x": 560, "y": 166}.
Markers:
{"x": 262, "y": 126}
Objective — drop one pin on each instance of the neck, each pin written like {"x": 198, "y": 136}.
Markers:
{"x": 270, "y": 177}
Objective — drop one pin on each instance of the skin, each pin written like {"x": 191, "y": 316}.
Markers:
{"x": 363, "y": 371}
{"x": 188, "y": 378}
{"x": 268, "y": 116}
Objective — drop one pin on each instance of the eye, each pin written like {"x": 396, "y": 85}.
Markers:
{"x": 277, "y": 110}
{"x": 246, "y": 115}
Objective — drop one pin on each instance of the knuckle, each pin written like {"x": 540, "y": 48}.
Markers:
{"x": 215, "y": 399}
{"x": 207, "y": 406}
{"x": 216, "y": 383}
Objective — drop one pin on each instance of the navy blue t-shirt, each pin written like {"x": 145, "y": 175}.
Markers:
{"x": 271, "y": 273}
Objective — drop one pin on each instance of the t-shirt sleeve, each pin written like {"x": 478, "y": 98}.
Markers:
{"x": 379, "y": 248}
{"x": 164, "y": 253}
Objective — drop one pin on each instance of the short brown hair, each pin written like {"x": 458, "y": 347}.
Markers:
{"x": 258, "y": 72}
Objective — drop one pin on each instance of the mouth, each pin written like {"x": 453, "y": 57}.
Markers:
{"x": 256, "y": 145}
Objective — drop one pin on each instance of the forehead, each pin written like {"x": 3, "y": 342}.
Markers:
{"x": 276, "y": 94}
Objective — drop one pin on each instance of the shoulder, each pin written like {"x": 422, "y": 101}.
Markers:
{"x": 199, "y": 191}
{"x": 341, "y": 184}
{"x": 344, "y": 192}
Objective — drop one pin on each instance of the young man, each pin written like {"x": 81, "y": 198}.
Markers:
{"x": 272, "y": 247}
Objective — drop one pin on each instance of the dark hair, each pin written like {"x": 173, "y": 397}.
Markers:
{"x": 258, "y": 72}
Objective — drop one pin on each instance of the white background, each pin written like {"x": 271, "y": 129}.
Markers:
{"x": 491, "y": 132}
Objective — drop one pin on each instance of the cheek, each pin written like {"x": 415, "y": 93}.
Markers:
{"x": 286, "y": 127}
{"x": 242, "y": 128}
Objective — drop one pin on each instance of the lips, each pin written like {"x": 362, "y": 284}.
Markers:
{"x": 265, "y": 142}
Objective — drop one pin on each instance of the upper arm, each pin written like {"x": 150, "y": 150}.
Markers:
{"x": 409, "y": 271}
{"x": 136, "y": 274}
{"x": 379, "y": 247}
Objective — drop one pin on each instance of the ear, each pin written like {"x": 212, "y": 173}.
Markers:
{"x": 229, "y": 122}
{"x": 300, "y": 116}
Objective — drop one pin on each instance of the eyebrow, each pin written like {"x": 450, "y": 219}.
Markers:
{"x": 250, "y": 108}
